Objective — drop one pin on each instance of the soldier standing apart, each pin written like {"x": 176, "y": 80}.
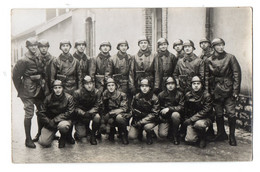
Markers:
{"x": 198, "y": 108}
{"x": 115, "y": 111}
{"x": 28, "y": 81}
{"x": 101, "y": 66}
{"x": 47, "y": 59}
{"x": 87, "y": 105}
{"x": 224, "y": 75}
{"x": 206, "y": 49}
{"x": 56, "y": 114}
{"x": 67, "y": 69}
{"x": 172, "y": 105}
{"x": 178, "y": 47}
{"x": 145, "y": 109}
{"x": 164, "y": 65}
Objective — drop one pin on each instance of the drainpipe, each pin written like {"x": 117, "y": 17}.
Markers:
{"x": 208, "y": 25}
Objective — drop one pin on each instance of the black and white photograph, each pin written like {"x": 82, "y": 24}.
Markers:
{"x": 113, "y": 85}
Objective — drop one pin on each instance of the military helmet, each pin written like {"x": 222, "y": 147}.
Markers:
{"x": 143, "y": 38}
{"x": 43, "y": 43}
{"x": 170, "y": 80}
{"x": 190, "y": 43}
{"x": 122, "y": 42}
{"x": 57, "y": 83}
{"x": 177, "y": 42}
{"x": 31, "y": 42}
{"x": 204, "y": 40}
{"x": 145, "y": 81}
{"x": 161, "y": 41}
{"x": 196, "y": 79}
{"x": 87, "y": 79}
{"x": 79, "y": 41}
{"x": 110, "y": 80}
{"x": 105, "y": 43}
{"x": 64, "y": 41}
{"x": 217, "y": 41}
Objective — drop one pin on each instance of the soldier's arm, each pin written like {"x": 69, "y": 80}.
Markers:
{"x": 206, "y": 64}
{"x": 92, "y": 67}
{"x": 69, "y": 111}
{"x": 42, "y": 112}
{"x": 154, "y": 112}
{"x": 54, "y": 70}
{"x": 236, "y": 75}
{"x": 180, "y": 106}
{"x": 18, "y": 72}
{"x": 156, "y": 72}
{"x": 98, "y": 103}
{"x": 79, "y": 75}
{"x": 123, "y": 105}
{"x": 131, "y": 74}
{"x": 78, "y": 110}
{"x": 202, "y": 69}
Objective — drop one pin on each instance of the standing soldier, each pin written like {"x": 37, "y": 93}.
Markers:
{"x": 172, "y": 104}
{"x": 115, "y": 109}
{"x": 67, "y": 69}
{"x": 47, "y": 59}
{"x": 224, "y": 75}
{"x": 198, "y": 108}
{"x": 187, "y": 67}
{"x": 178, "y": 47}
{"x": 87, "y": 104}
{"x": 56, "y": 114}
{"x": 145, "y": 109}
{"x": 28, "y": 81}
{"x": 206, "y": 49}
{"x": 101, "y": 66}
{"x": 142, "y": 65}
{"x": 164, "y": 65}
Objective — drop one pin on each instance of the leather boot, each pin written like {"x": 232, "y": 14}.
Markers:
{"x": 154, "y": 136}
{"x": 140, "y": 135}
{"x": 149, "y": 138}
{"x": 221, "y": 134}
{"x": 124, "y": 136}
{"x": 210, "y": 134}
{"x": 175, "y": 134}
{"x": 232, "y": 128}
{"x": 202, "y": 142}
{"x": 62, "y": 141}
{"x": 93, "y": 140}
{"x": 27, "y": 127}
{"x": 69, "y": 137}
{"x": 111, "y": 136}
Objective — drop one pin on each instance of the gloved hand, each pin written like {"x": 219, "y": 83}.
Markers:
{"x": 187, "y": 122}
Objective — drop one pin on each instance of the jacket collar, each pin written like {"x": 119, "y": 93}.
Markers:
{"x": 46, "y": 57}
{"x": 103, "y": 56}
{"x": 189, "y": 57}
{"x": 197, "y": 95}
{"x": 163, "y": 53}
{"x": 121, "y": 55}
{"x": 81, "y": 55}
{"x": 147, "y": 96}
{"x": 31, "y": 55}
{"x": 218, "y": 56}
{"x": 147, "y": 52}
{"x": 65, "y": 57}
{"x": 57, "y": 98}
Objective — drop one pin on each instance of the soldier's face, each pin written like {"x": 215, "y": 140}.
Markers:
{"x": 89, "y": 86}
{"x": 170, "y": 86}
{"x": 188, "y": 49}
{"x": 105, "y": 48}
{"x": 43, "y": 49}
{"x": 81, "y": 48}
{"x": 196, "y": 86}
{"x": 32, "y": 48}
{"x": 163, "y": 46}
{"x": 123, "y": 48}
{"x": 178, "y": 48}
{"x": 145, "y": 89}
{"x": 204, "y": 45}
{"x": 219, "y": 48}
{"x": 143, "y": 45}
{"x": 111, "y": 87}
{"x": 57, "y": 90}
{"x": 65, "y": 48}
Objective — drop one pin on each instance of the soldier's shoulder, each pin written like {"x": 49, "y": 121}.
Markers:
{"x": 206, "y": 94}
{"x": 188, "y": 94}
{"x": 68, "y": 96}
{"x": 179, "y": 92}
{"x": 162, "y": 93}
{"x": 154, "y": 97}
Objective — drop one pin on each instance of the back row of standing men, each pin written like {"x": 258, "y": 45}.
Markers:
{"x": 35, "y": 75}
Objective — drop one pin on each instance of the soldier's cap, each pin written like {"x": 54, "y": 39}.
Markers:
{"x": 122, "y": 42}
{"x": 217, "y": 41}
{"x": 31, "y": 42}
{"x": 43, "y": 43}
{"x": 145, "y": 81}
{"x": 170, "y": 80}
{"x": 110, "y": 80}
{"x": 161, "y": 41}
{"x": 189, "y": 43}
{"x": 196, "y": 79}
{"x": 57, "y": 83}
{"x": 78, "y": 42}
{"x": 177, "y": 42}
{"x": 87, "y": 79}
{"x": 64, "y": 41}
{"x": 204, "y": 40}
{"x": 105, "y": 43}
{"x": 143, "y": 38}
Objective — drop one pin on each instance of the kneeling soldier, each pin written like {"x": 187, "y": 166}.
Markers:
{"x": 56, "y": 114}
{"x": 172, "y": 104}
{"x": 116, "y": 113}
{"x": 198, "y": 108}
{"x": 87, "y": 104}
{"x": 145, "y": 109}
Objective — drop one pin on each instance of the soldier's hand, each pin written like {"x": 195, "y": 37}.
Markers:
{"x": 235, "y": 96}
{"x": 187, "y": 122}
{"x": 164, "y": 111}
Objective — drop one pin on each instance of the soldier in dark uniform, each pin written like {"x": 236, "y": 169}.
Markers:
{"x": 67, "y": 69}
{"x": 29, "y": 82}
{"x": 115, "y": 111}
{"x": 178, "y": 47}
{"x": 101, "y": 66}
{"x": 206, "y": 48}
{"x": 87, "y": 106}
{"x": 198, "y": 108}
{"x": 56, "y": 114}
{"x": 223, "y": 73}
{"x": 145, "y": 109}
{"x": 47, "y": 59}
{"x": 164, "y": 65}
{"x": 171, "y": 104}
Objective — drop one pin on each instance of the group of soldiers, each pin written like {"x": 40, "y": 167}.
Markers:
{"x": 125, "y": 95}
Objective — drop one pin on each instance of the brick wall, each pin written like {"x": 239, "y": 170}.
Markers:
{"x": 148, "y": 25}
{"x": 165, "y": 23}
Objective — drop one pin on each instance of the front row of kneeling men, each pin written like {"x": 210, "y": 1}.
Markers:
{"x": 110, "y": 110}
